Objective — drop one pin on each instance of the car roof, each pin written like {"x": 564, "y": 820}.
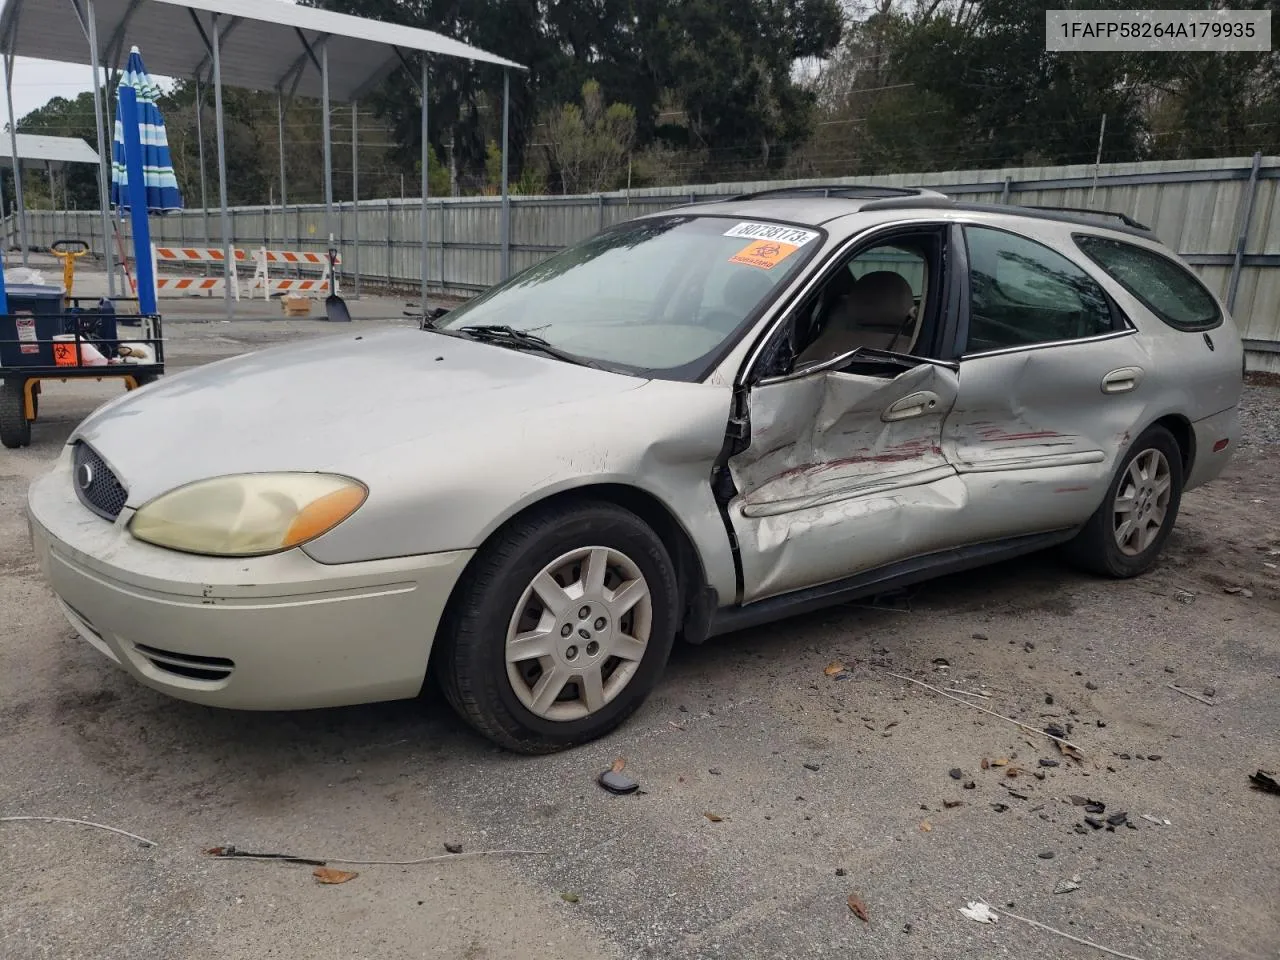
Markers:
{"x": 815, "y": 206}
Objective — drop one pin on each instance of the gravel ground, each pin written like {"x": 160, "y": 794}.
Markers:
{"x": 825, "y": 788}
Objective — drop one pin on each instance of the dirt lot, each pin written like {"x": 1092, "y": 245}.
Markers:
{"x": 827, "y": 787}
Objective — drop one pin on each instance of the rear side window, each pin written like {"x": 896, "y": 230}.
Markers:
{"x": 1165, "y": 287}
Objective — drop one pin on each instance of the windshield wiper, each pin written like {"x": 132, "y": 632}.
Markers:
{"x": 522, "y": 339}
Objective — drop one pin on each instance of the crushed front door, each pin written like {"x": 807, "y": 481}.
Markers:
{"x": 844, "y": 473}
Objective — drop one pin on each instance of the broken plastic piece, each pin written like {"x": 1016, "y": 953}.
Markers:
{"x": 618, "y": 783}
{"x": 979, "y": 911}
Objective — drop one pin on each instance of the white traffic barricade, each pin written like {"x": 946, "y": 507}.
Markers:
{"x": 194, "y": 286}
{"x": 265, "y": 259}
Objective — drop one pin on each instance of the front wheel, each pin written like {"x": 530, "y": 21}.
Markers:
{"x": 15, "y": 428}
{"x": 1125, "y": 537}
{"x": 560, "y": 628}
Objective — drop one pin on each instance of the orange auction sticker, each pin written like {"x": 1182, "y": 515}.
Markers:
{"x": 765, "y": 254}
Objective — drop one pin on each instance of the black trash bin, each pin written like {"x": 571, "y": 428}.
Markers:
{"x": 35, "y": 317}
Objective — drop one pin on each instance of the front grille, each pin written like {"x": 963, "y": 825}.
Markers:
{"x": 188, "y": 665}
{"x": 96, "y": 485}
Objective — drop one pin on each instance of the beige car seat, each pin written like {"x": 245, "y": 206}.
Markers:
{"x": 878, "y": 313}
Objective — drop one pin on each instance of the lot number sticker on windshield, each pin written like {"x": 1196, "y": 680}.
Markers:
{"x": 772, "y": 243}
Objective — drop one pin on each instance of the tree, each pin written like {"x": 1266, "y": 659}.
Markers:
{"x": 589, "y": 144}
{"x": 61, "y": 117}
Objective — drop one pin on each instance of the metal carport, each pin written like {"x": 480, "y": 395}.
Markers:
{"x": 53, "y": 152}
{"x": 266, "y": 45}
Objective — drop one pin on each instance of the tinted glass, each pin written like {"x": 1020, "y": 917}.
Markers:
{"x": 1165, "y": 287}
{"x": 656, "y": 296}
{"x": 1023, "y": 293}
{"x": 906, "y": 263}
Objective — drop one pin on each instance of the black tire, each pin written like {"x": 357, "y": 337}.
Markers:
{"x": 471, "y": 665}
{"x": 15, "y": 429}
{"x": 145, "y": 379}
{"x": 1095, "y": 548}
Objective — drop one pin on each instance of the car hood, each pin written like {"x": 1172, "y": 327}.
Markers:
{"x": 324, "y": 403}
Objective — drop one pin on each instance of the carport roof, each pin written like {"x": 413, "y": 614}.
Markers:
{"x": 56, "y": 150}
{"x": 265, "y": 44}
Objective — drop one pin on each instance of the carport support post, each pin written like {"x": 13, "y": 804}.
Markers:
{"x": 355, "y": 195}
{"x": 17, "y": 161}
{"x": 204, "y": 185}
{"x": 506, "y": 199}
{"x": 222, "y": 164}
{"x": 426, "y": 188}
{"x": 328, "y": 145}
{"x": 284, "y": 175}
{"x": 104, "y": 150}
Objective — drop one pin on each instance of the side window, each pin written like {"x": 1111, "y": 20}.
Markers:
{"x": 1022, "y": 293}
{"x": 906, "y": 263}
{"x": 1164, "y": 287}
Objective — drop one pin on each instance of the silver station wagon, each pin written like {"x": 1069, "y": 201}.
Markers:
{"x": 691, "y": 423}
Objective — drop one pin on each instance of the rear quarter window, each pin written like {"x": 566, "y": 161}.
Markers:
{"x": 1164, "y": 286}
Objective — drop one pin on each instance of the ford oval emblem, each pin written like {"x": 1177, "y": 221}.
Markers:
{"x": 84, "y": 477}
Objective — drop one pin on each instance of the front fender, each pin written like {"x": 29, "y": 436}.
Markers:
{"x": 454, "y": 491}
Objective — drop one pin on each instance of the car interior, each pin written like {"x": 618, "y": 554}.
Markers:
{"x": 882, "y": 298}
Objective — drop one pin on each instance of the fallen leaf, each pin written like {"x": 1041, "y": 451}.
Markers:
{"x": 985, "y": 763}
{"x": 834, "y": 667}
{"x": 329, "y": 875}
{"x": 569, "y": 897}
{"x": 859, "y": 908}
{"x": 618, "y": 765}
{"x": 216, "y": 851}
{"x": 926, "y": 826}
{"x": 1014, "y": 772}
{"x": 714, "y": 817}
{"x": 1002, "y": 762}
{"x": 951, "y": 804}
{"x": 1067, "y": 750}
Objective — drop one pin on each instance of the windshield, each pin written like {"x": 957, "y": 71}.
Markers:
{"x": 659, "y": 296}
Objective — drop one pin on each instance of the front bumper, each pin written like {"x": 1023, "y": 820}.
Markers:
{"x": 267, "y": 633}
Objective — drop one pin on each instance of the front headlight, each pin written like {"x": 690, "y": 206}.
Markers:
{"x": 248, "y": 515}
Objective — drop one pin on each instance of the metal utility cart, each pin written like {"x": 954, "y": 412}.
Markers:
{"x": 39, "y": 342}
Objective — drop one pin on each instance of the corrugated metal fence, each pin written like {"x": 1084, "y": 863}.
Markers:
{"x": 1222, "y": 215}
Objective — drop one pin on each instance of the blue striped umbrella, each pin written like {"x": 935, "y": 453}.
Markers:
{"x": 162, "y": 186}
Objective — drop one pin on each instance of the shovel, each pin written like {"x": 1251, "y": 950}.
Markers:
{"x": 335, "y": 307}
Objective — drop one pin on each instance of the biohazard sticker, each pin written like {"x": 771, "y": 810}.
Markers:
{"x": 765, "y": 255}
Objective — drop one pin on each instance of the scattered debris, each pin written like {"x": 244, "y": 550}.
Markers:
{"x": 1244, "y": 592}
{"x": 1090, "y": 685}
{"x": 1210, "y": 691}
{"x": 1156, "y": 820}
{"x": 859, "y": 908}
{"x": 714, "y": 771}
{"x": 841, "y": 871}
{"x": 926, "y": 826}
{"x": 952, "y": 804}
{"x": 1189, "y": 693}
{"x": 812, "y": 766}
{"x": 84, "y": 823}
{"x": 970, "y": 785}
{"x": 834, "y": 667}
{"x": 1046, "y": 855}
{"x": 618, "y": 783}
{"x": 975, "y": 706}
{"x": 569, "y": 897}
{"x": 231, "y": 853}
{"x": 1185, "y": 596}
{"x": 1046, "y": 762}
{"x": 1017, "y": 796}
{"x": 453, "y": 847}
{"x": 714, "y": 817}
{"x": 1068, "y": 886}
{"x": 1264, "y": 781}
{"x": 1094, "y": 822}
{"x": 980, "y": 636}
{"x": 1117, "y": 819}
{"x": 329, "y": 875}
{"x": 956, "y": 773}
{"x": 979, "y": 911}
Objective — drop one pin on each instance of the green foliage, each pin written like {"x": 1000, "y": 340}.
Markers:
{"x": 588, "y": 145}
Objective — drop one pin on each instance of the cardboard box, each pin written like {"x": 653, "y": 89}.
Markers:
{"x": 296, "y": 306}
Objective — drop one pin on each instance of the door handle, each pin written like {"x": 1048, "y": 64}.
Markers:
{"x": 1122, "y": 380}
{"x": 912, "y": 405}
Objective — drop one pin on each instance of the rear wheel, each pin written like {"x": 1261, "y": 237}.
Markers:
{"x": 560, "y": 629}
{"x": 144, "y": 379}
{"x": 15, "y": 429}
{"x": 1125, "y": 537}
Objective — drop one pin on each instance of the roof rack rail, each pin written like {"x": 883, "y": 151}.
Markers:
{"x": 1084, "y": 211}
{"x": 843, "y": 191}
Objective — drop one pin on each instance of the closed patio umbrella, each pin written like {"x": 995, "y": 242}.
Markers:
{"x": 162, "y": 186}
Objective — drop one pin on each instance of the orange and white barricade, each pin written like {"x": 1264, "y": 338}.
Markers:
{"x": 265, "y": 259}
{"x": 194, "y": 286}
